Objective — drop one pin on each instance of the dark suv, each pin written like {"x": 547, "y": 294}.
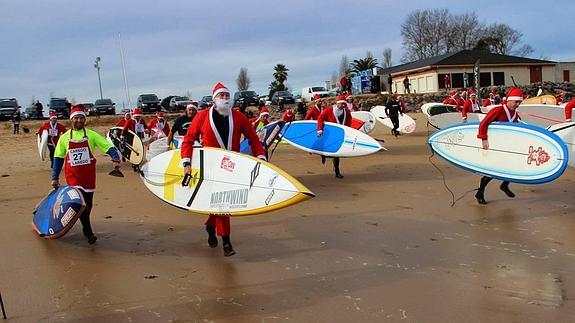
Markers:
{"x": 282, "y": 97}
{"x": 149, "y": 103}
{"x": 246, "y": 98}
{"x": 60, "y": 106}
{"x": 7, "y": 108}
{"x": 105, "y": 106}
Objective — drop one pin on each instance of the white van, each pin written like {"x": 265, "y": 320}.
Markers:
{"x": 307, "y": 93}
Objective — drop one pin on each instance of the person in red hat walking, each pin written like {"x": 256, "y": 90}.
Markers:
{"x": 183, "y": 122}
{"x": 493, "y": 99}
{"x": 222, "y": 127}
{"x": 75, "y": 149}
{"x": 136, "y": 124}
{"x": 470, "y": 105}
{"x": 350, "y": 105}
{"x": 54, "y": 130}
{"x": 340, "y": 114}
{"x": 505, "y": 113}
{"x": 262, "y": 120}
{"x": 122, "y": 122}
{"x": 160, "y": 123}
{"x": 288, "y": 116}
{"x": 315, "y": 110}
{"x": 454, "y": 99}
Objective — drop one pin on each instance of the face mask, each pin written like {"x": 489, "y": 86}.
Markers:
{"x": 223, "y": 106}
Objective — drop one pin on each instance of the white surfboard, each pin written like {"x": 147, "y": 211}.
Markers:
{"x": 566, "y": 131}
{"x": 406, "y": 123}
{"x": 223, "y": 183}
{"x": 542, "y": 115}
{"x": 132, "y": 148}
{"x": 157, "y": 147}
{"x": 444, "y": 120}
{"x": 368, "y": 120}
{"x": 433, "y": 108}
{"x": 43, "y": 144}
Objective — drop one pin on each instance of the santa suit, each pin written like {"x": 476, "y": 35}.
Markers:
{"x": 352, "y": 107}
{"x": 54, "y": 132}
{"x": 122, "y": 122}
{"x": 499, "y": 113}
{"x": 256, "y": 122}
{"x": 470, "y": 106}
{"x": 288, "y": 116}
{"x": 136, "y": 126}
{"x": 329, "y": 115}
{"x": 488, "y": 102}
{"x": 206, "y": 125}
{"x": 569, "y": 110}
{"x": 313, "y": 112}
{"x": 163, "y": 126}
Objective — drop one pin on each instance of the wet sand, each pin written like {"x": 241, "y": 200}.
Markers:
{"x": 381, "y": 245}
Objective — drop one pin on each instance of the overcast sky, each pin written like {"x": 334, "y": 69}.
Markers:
{"x": 172, "y": 47}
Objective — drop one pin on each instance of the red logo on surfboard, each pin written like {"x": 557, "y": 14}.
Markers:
{"x": 227, "y": 164}
{"x": 538, "y": 156}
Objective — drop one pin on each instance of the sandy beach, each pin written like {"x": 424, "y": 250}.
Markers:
{"x": 382, "y": 244}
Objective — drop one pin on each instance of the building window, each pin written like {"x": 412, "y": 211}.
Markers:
{"x": 484, "y": 79}
{"x": 498, "y": 78}
{"x": 456, "y": 80}
{"x": 470, "y": 80}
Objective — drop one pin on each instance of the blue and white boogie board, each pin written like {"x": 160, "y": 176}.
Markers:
{"x": 517, "y": 152}
{"x": 267, "y": 136}
{"x": 56, "y": 214}
{"x": 337, "y": 140}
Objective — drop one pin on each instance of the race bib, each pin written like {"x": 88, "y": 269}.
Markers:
{"x": 53, "y": 132}
{"x": 160, "y": 126}
{"x": 79, "y": 156}
{"x": 139, "y": 128}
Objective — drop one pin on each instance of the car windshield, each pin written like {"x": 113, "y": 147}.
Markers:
{"x": 8, "y": 104}
{"x": 103, "y": 101}
{"x": 181, "y": 98}
{"x": 207, "y": 98}
{"x": 318, "y": 89}
{"x": 284, "y": 93}
{"x": 149, "y": 97}
{"x": 247, "y": 94}
{"x": 58, "y": 104}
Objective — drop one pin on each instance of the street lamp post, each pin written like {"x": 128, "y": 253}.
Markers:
{"x": 97, "y": 66}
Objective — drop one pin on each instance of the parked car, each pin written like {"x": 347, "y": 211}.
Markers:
{"x": 205, "y": 102}
{"x": 30, "y": 113}
{"x": 7, "y": 108}
{"x": 178, "y": 103}
{"x": 90, "y": 109}
{"x": 247, "y": 98}
{"x": 60, "y": 106}
{"x": 149, "y": 103}
{"x": 282, "y": 97}
{"x": 308, "y": 93}
{"x": 105, "y": 106}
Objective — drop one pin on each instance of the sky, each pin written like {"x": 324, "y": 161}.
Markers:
{"x": 178, "y": 47}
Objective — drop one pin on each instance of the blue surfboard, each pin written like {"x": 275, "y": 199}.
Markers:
{"x": 267, "y": 136}
{"x": 56, "y": 214}
{"x": 336, "y": 141}
{"x": 517, "y": 152}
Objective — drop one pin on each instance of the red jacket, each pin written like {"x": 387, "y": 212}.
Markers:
{"x": 154, "y": 124}
{"x": 569, "y": 110}
{"x": 54, "y": 135}
{"x": 328, "y": 115}
{"x": 469, "y": 107}
{"x": 131, "y": 125}
{"x": 202, "y": 126}
{"x": 457, "y": 103}
{"x": 288, "y": 116}
{"x": 121, "y": 123}
{"x": 496, "y": 114}
{"x": 313, "y": 113}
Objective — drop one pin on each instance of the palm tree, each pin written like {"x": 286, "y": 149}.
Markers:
{"x": 363, "y": 64}
{"x": 280, "y": 73}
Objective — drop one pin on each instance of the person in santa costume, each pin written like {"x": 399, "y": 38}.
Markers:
{"x": 340, "y": 114}
{"x": 262, "y": 120}
{"x": 470, "y": 105}
{"x": 492, "y": 100}
{"x": 288, "y": 116}
{"x": 453, "y": 99}
{"x": 122, "y": 122}
{"x": 74, "y": 151}
{"x": 350, "y": 105}
{"x": 315, "y": 110}
{"x": 136, "y": 124}
{"x": 560, "y": 97}
{"x": 55, "y": 130}
{"x": 160, "y": 123}
{"x": 402, "y": 104}
{"x": 183, "y": 122}
{"x": 505, "y": 113}
{"x": 222, "y": 127}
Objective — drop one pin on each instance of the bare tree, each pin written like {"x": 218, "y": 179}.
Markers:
{"x": 464, "y": 32}
{"x": 243, "y": 81}
{"x": 502, "y": 39}
{"x": 343, "y": 66}
{"x": 424, "y": 33}
{"x": 386, "y": 58}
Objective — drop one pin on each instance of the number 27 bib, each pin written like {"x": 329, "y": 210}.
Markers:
{"x": 79, "y": 156}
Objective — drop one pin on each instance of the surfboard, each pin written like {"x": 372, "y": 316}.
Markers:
{"x": 566, "y": 131}
{"x": 43, "y": 144}
{"x": 434, "y": 108}
{"x": 337, "y": 140}
{"x": 517, "y": 152}
{"x": 56, "y": 213}
{"x": 541, "y": 114}
{"x": 223, "y": 183}
{"x": 157, "y": 147}
{"x": 406, "y": 123}
{"x": 267, "y": 136}
{"x": 542, "y": 99}
{"x": 132, "y": 148}
{"x": 367, "y": 121}
{"x": 444, "y": 120}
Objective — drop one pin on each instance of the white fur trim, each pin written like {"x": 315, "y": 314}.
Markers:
{"x": 514, "y": 98}
{"x": 75, "y": 113}
{"x": 218, "y": 91}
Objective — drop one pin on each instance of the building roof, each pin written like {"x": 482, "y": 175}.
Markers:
{"x": 465, "y": 57}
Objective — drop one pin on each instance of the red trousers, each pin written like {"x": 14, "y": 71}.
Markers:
{"x": 222, "y": 224}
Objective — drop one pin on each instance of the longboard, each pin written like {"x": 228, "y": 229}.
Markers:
{"x": 131, "y": 148}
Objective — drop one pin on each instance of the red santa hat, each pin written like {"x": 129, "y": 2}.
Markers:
{"x": 127, "y": 115}
{"x": 192, "y": 105}
{"x": 219, "y": 88}
{"x": 289, "y": 113}
{"x": 515, "y": 94}
{"x": 349, "y": 97}
{"x": 471, "y": 92}
{"x": 160, "y": 115}
{"x": 53, "y": 115}
{"x": 77, "y": 110}
{"x": 137, "y": 112}
{"x": 341, "y": 99}
{"x": 316, "y": 97}
{"x": 264, "y": 112}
